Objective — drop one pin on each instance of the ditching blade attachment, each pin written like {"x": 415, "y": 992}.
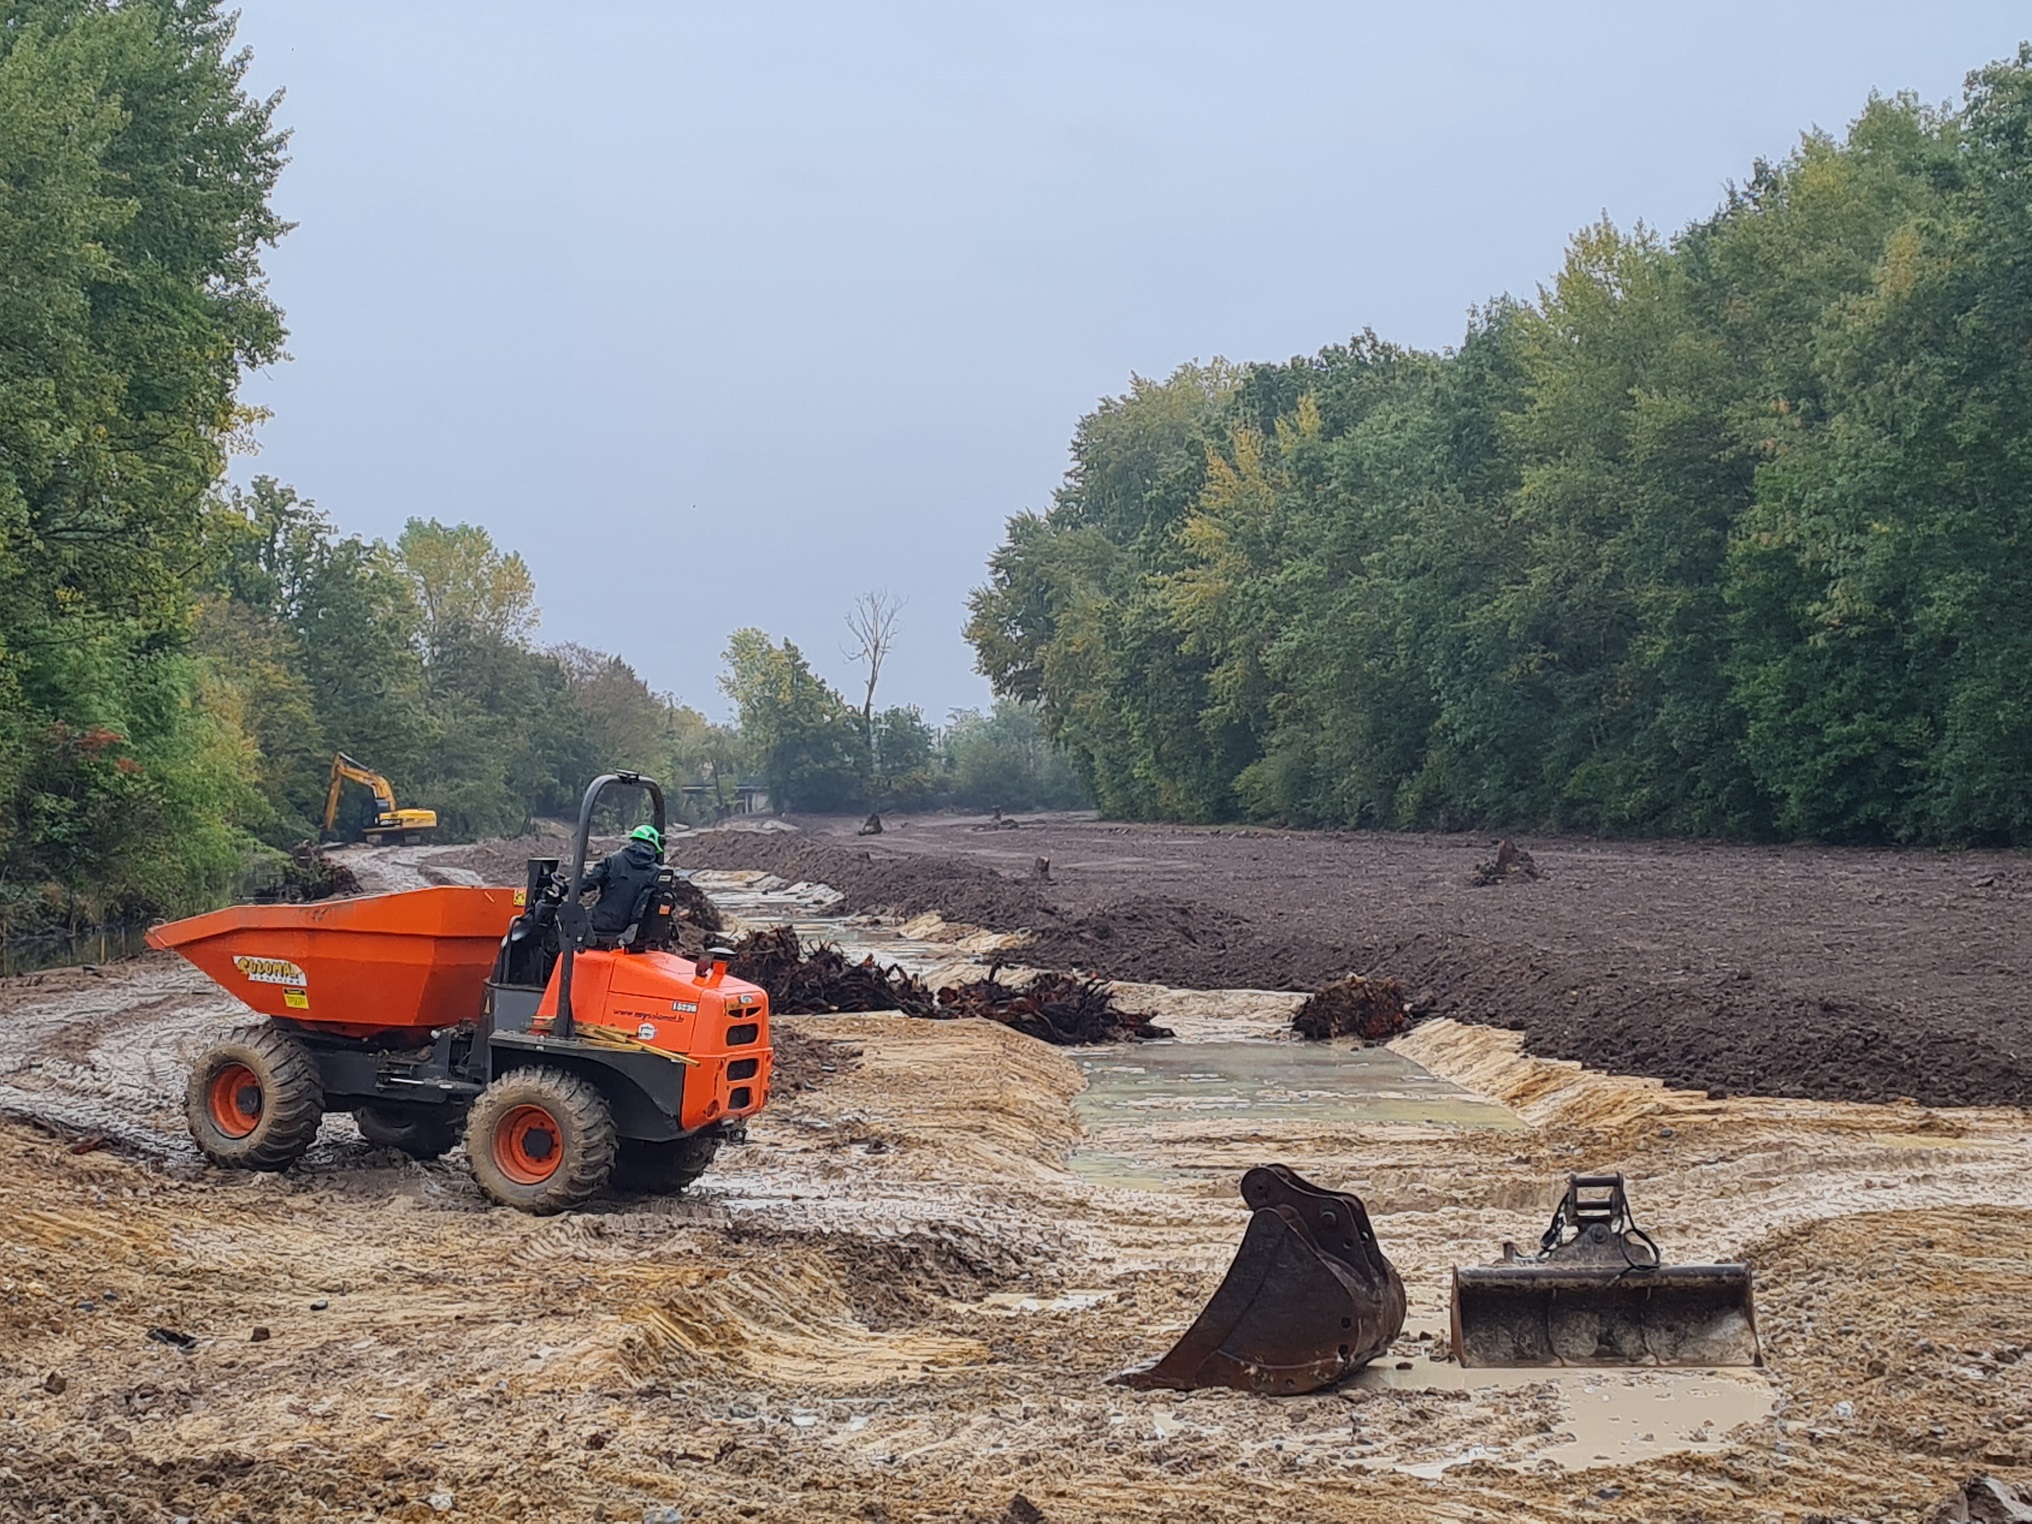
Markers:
{"x": 1598, "y": 1293}
{"x": 1308, "y": 1300}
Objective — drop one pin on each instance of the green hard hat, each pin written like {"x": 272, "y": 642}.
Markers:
{"x": 649, "y": 834}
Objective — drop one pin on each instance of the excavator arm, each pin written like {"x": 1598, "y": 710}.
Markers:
{"x": 388, "y": 820}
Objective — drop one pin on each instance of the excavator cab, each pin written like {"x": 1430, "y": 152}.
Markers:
{"x": 390, "y": 825}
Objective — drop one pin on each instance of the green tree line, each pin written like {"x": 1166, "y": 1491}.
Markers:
{"x": 180, "y": 659}
{"x": 418, "y": 658}
{"x": 1723, "y": 533}
{"x": 134, "y": 182}
{"x": 812, "y": 750}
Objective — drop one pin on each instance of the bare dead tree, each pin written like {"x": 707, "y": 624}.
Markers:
{"x": 873, "y": 622}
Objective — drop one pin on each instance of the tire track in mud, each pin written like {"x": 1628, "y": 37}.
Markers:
{"x": 106, "y": 1050}
{"x": 110, "y": 1058}
{"x": 389, "y": 870}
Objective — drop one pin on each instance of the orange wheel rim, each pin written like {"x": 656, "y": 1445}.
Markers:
{"x": 528, "y": 1145}
{"x": 234, "y": 1100}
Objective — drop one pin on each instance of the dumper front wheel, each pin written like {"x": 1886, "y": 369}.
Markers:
{"x": 541, "y": 1140}
{"x": 254, "y": 1101}
{"x": 664, "y": 1169}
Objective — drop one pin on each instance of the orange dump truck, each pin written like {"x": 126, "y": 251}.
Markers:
{"x": 560, "y": 1056}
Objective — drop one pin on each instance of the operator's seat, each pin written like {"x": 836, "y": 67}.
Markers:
{"x": 659, "y": 913}
{"x": 652, "y": 922}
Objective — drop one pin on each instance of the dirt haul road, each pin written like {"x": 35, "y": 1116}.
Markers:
{"x": 900, "y": 1300}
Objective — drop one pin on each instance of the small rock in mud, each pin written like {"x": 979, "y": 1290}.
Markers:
{"x": 1986, "y": 1500}
{"x": 56, "y": 1383}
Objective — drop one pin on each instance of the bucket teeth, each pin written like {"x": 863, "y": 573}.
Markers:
{"x": 1308, "y": 1299}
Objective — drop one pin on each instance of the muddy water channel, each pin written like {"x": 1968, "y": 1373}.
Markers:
{"x": 1257, "y": 1080}
{"x": 1180, "y": 1118}
{"x": 1247, "y": 1085}
{"x": 1146, "y": 1106}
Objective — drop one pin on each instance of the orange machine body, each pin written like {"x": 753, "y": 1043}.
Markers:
{"x": 392, "y": 966}
{"x": 671, "y": 1005}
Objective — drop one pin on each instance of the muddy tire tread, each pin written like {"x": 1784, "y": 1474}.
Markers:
{"x": 590, "y": 1140}
{"x": 292, "y": 1099}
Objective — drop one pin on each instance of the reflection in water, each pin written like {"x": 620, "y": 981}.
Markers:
{"x": 101, "y": 944}
{"x": 1135, "y": 1092}
{"x": 1260, "y": 1081}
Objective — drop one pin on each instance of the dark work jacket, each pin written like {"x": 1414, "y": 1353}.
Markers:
{"x": 624, "y": 881}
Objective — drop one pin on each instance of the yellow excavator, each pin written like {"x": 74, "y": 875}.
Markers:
{"x": 391, "y": 826}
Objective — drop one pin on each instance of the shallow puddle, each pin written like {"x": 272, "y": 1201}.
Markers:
{"x": 1126, "y": 1172}
{"x": 1065, "y": 1301}
{"x": 1135, "y": 1093}
{"x": 1263, "y": 1081}
{"x": 1602, "y": 1415}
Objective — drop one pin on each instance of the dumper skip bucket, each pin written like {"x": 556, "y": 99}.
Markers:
{"x": 382, "y": 965}
{"x": 1598, "y": 1293}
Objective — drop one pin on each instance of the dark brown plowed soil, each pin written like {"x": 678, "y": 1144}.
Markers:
{"x": 505, "y": 861}
{"x": 876, "y": 877}
{"x": 1831, "y": 973}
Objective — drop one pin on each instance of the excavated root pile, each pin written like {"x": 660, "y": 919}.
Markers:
{"x": 696, "y": 908}
{"x": 1372, "y": 1009}
{"x": 308, "y": 874}
{"x": 1511, "y": 863}
{"x": 1054, "y": 1008}
{"x": 822, "y": 980}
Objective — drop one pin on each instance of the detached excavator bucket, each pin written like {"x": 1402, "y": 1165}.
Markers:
{"x": 1309, "y": 1298}
{"x": 1598, "y": 1293}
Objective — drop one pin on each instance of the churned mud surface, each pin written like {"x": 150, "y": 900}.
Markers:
{"x": 1823, "y": 972}
{"x": 901, "y": 1299}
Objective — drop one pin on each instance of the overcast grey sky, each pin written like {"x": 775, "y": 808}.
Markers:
{"x": 721, "y": 314}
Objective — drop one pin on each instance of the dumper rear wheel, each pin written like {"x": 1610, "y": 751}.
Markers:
{"x": 664, "y": 1169}
{"x": 254, "y": 1100}
{"x": 541, "y": 1140}
{"x": 420, "y": 1135}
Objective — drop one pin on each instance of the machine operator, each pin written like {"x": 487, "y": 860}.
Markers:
{"x": 625, "y": 880}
